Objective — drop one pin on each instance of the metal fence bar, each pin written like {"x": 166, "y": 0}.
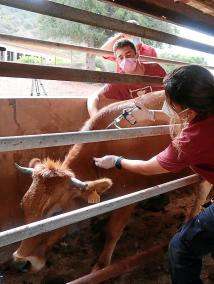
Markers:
{"x": 20, "y": 70}
{"x": 49, "y": 224}
{"x": 122, "y": 266}
{"x": 53, "y": 9}
{"x": 168, "y": 11}
{"x": 171, "y": 62}
{"x": 49, "y": 46}
{"x": 12, "y": 143}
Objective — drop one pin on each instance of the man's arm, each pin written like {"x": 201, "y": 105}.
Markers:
{"x": 93, "y": 103}
{"x": 99, "y": 99}
{"x": 108, "y": 45}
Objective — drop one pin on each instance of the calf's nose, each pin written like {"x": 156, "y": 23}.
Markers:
{"x": 22, "y": 266}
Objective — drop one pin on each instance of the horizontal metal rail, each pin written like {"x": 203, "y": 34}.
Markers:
{"x": 122, "y": 266}
{"x": 169, "y": 11}
{"x": 171, "y": 62}
{"x": 18, "y": 70}
{"x": 50, "y": 46}
{"x": 62, "y": 220}
{"x": 57, "y": 10}
{"x": 13, "y": 143}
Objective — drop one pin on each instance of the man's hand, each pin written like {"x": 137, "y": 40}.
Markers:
{"x": 106, "y": 162}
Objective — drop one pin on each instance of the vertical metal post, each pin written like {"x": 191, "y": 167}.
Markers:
{"x": 2, "y": 53}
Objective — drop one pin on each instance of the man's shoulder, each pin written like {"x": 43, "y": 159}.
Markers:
{"x": 146, "y": 46}
{"x": 147, "y": 50}
{"x": 115, "y": 91}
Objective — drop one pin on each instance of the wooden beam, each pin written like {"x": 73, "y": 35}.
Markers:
{"x": 169, "y": 11}
{"x": 53, "y": 9}
{"x": 18, "y": 70}
{"x": 205, "y": 6}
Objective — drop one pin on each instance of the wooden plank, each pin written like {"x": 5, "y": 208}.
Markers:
{"x": 62, "y": 220}
{"x": 53, "y": 9}
{"x": 205, "y": 6}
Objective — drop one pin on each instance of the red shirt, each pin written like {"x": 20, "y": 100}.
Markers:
{"x": 196, "y": 150}
{"x": 128, "y": 91}
{"x": 146, "y": 50}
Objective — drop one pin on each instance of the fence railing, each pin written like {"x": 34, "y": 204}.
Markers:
{"x": 64, "y": 12}
{"x": 51, "y": 46}
{"x": 12, "y": 143}
{"x": 52, "y": 223}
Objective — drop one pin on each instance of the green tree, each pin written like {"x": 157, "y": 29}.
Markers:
{"x": 94, "y": 37}
{"x": 17, "y": 22}
{"x": 180, "y": 57}
{"x": 74, "y": 32}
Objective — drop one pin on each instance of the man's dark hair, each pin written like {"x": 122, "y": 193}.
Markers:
{"x": 121, "y": 43}
{"x": 191, "y": 86}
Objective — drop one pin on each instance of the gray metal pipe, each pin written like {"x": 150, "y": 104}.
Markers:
{"x": 13, "y": 143}
{"x": 49, "y": 224}
{"x": 50, "y": 46}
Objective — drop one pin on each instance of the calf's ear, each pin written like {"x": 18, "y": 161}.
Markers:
{"x": 94, "y": 189}
{"x": 33, "y": 162}
{"x": 100, "y": 185}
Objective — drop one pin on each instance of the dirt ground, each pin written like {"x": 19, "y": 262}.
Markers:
{"x": 16, "y": 87}
{"x": 75, "y": 255}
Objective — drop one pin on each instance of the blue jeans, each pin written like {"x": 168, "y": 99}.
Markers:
{"x": 186, "y": 249}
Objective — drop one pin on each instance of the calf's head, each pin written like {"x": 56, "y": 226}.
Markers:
{"x": 54, "y": 190}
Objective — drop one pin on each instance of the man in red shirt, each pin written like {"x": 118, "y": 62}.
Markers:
{"x": 127, "y": 58}
{"x": 142, "y": 48}
{"x": 190, "y": 94}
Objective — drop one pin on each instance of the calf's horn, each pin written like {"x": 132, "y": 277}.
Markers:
{"x": 78, "y": 183}
{"x": 24, "y": 170}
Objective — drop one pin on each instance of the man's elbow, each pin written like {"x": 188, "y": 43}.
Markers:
{"x": 92, "y": 105}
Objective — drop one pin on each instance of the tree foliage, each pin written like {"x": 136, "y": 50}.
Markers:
{"x": 17, "y": 22}
{"x": 23, "y": 23}
{"x": 183, "y": 58}
{"x": 76, "y": 32}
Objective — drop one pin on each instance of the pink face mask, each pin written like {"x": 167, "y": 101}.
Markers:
{"x": 128, "y": 65}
